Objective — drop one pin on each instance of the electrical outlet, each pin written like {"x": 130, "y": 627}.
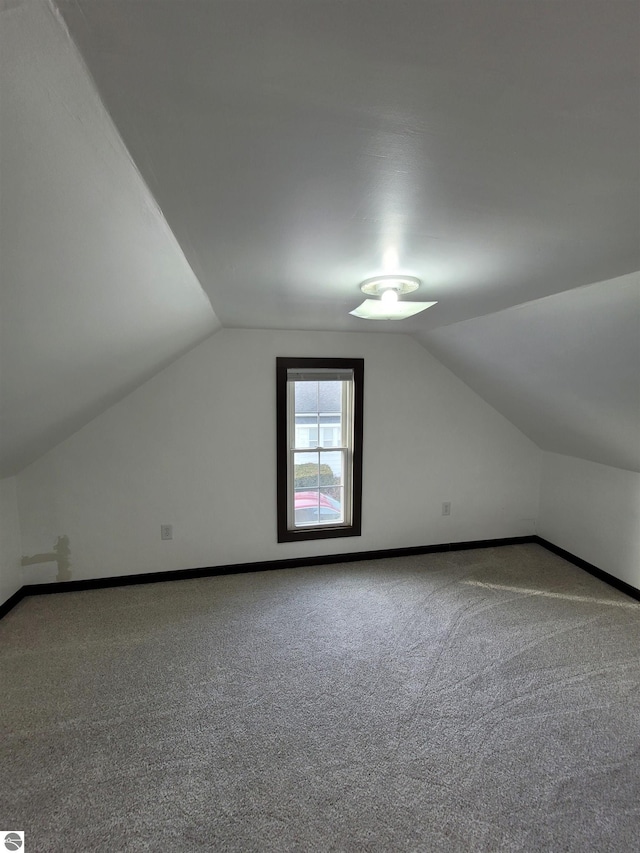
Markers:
{"x": 166, "y": 531}
{"x": 446, "y": 508}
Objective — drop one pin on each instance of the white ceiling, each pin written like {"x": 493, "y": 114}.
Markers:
{"x": 258, "y": 159}
{"x": 564, "y": 369}
{"x": 492, "y": 145}
{"x": 96, "y": 294}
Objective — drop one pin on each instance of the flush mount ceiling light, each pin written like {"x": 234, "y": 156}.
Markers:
{"x": 387, "y": 307}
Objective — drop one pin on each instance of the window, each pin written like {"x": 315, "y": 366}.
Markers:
{"x": 319, "y": 423}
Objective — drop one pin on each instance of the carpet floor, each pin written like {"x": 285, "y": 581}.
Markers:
{"x": 481, "y": 700}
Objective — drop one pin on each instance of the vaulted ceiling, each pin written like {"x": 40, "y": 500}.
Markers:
{"x": 565, "y": 369}
{"x": 173, "y": 166}
{"x": 96, "y": 293}
{"x": 489, "y": 148}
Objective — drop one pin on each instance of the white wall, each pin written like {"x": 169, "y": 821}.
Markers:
{"x": 10, "y": 550}
{"x": 195, "y": 447}
{"x": 593, "y": 511}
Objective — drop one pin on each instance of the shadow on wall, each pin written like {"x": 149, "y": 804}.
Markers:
{"x": 59, "y": 555}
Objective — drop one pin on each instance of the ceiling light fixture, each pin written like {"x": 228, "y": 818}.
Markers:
{"x": 388, "y": 307}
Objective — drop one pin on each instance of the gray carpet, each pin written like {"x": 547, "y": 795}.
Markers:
{"x": 480, "y": 700}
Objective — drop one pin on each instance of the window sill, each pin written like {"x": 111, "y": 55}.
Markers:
{"x": 302, "y": 534}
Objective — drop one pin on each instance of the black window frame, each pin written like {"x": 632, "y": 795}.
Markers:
{"x": 283, "y": 365}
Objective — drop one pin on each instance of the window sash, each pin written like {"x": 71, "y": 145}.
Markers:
{"x": 345, "y": 449}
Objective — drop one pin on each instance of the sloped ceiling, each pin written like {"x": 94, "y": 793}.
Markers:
{"x": 296, "y": 148}
{"x": 564, "y": 369}
{"x": 488, "y": 147}
{"x": 96, "y": 294}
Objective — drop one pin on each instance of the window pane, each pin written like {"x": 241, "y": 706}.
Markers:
{"x": 330, "y": 467}
{"x": 330, "y": 432}
{"x": 306, "y": 471}
{"x": 331, "y": 505}
{"x": 306, "y": 506}
{"x": 329, "y": 396}
{"x": 306, "y": 436}
{"x": 306, "y": 396}
{"x": 313, "y": 506}
{"x": 331, "y": 474}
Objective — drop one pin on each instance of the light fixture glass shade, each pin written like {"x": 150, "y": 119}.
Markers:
{"x": 402, "y": 284}
{"x": 376, "y": 309}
